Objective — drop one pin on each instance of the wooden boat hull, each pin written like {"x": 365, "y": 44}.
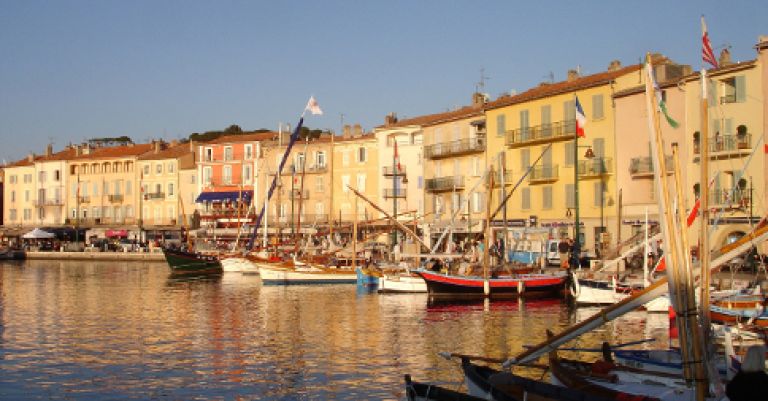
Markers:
{"x": 757, "y": 318}
{"x": 402, "y": 284}
{"x": 416, "y": 391}
{"x": 365, "y": 278}
{"x": 238, "y": 264}
{"x": 187, "y": 263}
{"x": 12, "y": 254}
{"x": 600, "y": 292}
{"x": 290, "y": 276}
{"x": 528, "y": 285}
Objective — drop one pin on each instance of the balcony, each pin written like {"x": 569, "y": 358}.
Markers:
{"x": 84, "y": 199}
{"x": 299, "y": 194}
{"x": 595, "y": 168}
{"x": 733, "y": 198}
{"x": 508, "y": 179}
{"x": 728, "y": 99}
{"x": 543, "y": 174}
{"x": 540, "y": 134}
{"x": 317, "y": 169}
{"x": 642, "y": 167}
{"x": 725, "y": 147}
{"x": 455, "y": 148}
{"x": 115, "y": 198}
{"x": 389, "y": 171}
{"x": 444, "y": 184}
{"x": 390, "y": 193}
{"x": 49, "y": 202}
{"x": 154, "y": 196}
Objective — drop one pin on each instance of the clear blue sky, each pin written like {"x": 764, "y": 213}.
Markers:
{"x": 72, "y": 70}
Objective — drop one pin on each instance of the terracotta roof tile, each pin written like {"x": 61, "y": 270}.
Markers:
{"x": 546, "y": 90}
{"x": 115, "y": 151}
{"x": 438, "y": 118}
{"x": 169, "y": 152}
{"x": 260, "y": 136}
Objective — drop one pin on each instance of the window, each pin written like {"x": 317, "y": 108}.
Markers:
{"x": 438, "y": 205}
{"x": 501, "y": 125}
{"x": 546, "y": 196}
{"x": 299, "y": 162}
{"x": 362, "y": 154}
{"x": 171, "y": 167}
{"x": 57, "y": 175}
{"x": 248, "y": 152}
{"x": 146, "y": 169}
{"x": 734, "y": 90}
{"x": 95, "y": 189}
{"x": 12, "y": 214}
{"x": 12, "y": 179}
{"x": 128, "y": 187}
{"x": 40, "y": 213}
{"x": 320, "y": 184}
{"x": 27, "y": 214}
{"x": 475, "y": 166}
{"x": 455, "y": 202}
{"x": 26, "y": 196}
{"x": 477, "y": 202}
{"x": 208, "y": 154}
{"x": 345, "y": 158}
{"x": 170, "y": 189}
{"x": 546, "y": 120}
{"x": 569, "y": 110}
{"x": 227, "y": 175}
{"x": 361, "y": 182}
{"x": 598, "y": 187}
{"x": 13, "y": 196}
{"x": 96, "y": 212}
{"x": 118, "y": 184}
{"x": 345, "y": 183}
{"x": 159, "y": 168}
{"x": 105, "y": 188}
{"x": 420, "y": 182}
{"x": 228, "y": 153}
{"x": 569, "y": 154}
{"x": 319, "y": 209}
{"x": 524, "y": 124}
{"x": 247, "y": 175}
{"x": 320, "y": 159}
{"x": 597, "y": 107}
{"x": 41, "y": 176}
{"x": 570, "y": 198}
{"x": 526, "y": 198}
{"x": 207, "y": 175}
{"x": 525, "y": 159}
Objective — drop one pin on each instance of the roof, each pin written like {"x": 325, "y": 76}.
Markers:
{"x": 340, "y": 139}
{"x": 438, "y": 118}
{"x": 170, "y": 152}
{"x": 64, "y": 154}
{"x": 260, "y": 136}
{"x": 547, "y": 90}
{"x": 115, "y": 152}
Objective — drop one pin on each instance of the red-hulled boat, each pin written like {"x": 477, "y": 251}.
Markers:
{"x": 517, "y": 285}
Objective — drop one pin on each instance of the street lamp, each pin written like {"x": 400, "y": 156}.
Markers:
{"x": 589, "y": 154}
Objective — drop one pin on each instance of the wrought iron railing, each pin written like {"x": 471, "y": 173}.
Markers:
{"x": 453, "y": 148}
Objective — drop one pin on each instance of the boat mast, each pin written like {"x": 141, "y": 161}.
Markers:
{"x": 486, "y": 248}
{"x": 301, "y": 197}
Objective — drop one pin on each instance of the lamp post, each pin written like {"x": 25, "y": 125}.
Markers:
{"x": 577, "y": 222}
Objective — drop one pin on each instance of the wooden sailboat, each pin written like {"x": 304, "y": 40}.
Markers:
{"x": 187, "y": 261}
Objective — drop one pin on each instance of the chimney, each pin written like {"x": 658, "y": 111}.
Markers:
{"x": 346, "y": 131}
{"x": 49, "y": 149}
{"x": 31, "y": 157}
{"x": 158, "y": 146}
{"x": 357, "y": 130}
{"x": 725, "y": 57}
{"x": 78, "y": 150}
{"x": 478, "y": 99}
{"x": 614, "y": 65}
{"x": 86, "y": 149}
{"x": 191, "y": 146}
{"x": 390, "y": 119}
{"x": 572, "y": 75}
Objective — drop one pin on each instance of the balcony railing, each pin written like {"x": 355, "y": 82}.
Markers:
{"x": 394, "y": 193}
{"x": 497, "y": 179}
{"x": 728, "y": 98}
{"x": 730, "y": 198}
{"x": 115, "y": 198}
{"x": 552, "y": 132}
{"x": 154, "y": 196}
{"x": 299, "y": 194}
{"x": 317, "y": 169}
{"x": 84, "y": 199}
{"x": 541, "y": 174}
{"x": 643, "y": 166}
{"x": 724, "y": 146}
{"x": 389, "y": 171}
{"x": 455, "y": 148}
{"x": 49, "y": 202}
{"x": 597, "y": 167}
{"x": 443, "y": 184}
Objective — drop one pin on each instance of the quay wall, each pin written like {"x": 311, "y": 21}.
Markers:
{"x": 122, "y": 256}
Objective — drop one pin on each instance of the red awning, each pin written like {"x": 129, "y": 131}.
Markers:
{"x": 116, "y": 233}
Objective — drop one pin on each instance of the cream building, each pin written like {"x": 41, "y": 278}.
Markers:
{"x": 19, "y": 193}
{"x": 355, "y": 163}
{"x": 161, "y": 201}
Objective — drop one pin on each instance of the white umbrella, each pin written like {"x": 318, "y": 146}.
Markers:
{"x": 37, "y": 234}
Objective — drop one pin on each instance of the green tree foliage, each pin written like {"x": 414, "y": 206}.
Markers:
{"x": 110, "y": 141}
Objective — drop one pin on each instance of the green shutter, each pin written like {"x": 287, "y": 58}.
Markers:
{"x": 501, "y": 124}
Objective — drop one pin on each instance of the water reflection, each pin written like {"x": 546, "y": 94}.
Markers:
{"x": 90, "y": 330}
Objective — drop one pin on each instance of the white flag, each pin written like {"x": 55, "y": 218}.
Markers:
{"x": 313, "y": 106}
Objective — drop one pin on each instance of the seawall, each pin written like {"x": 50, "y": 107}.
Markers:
{"x": 122, "y": 256}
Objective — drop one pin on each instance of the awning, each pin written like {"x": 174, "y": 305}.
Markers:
{"x": 225, "y": 196}
{"x": 116, "y": 233}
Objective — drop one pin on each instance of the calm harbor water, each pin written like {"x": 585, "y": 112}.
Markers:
{"x": 116, "y": 331}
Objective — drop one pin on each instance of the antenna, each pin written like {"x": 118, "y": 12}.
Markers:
{"x": 480, "y": 86}
{"x": 550, "y": 77}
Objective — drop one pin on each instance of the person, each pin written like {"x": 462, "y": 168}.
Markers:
{"x": 563, "y": 248}
{"x": 751, "y": 382}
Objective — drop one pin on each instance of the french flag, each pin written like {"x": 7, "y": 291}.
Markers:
{"x": 581, "y": 119}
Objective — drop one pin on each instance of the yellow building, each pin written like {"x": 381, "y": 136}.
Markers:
{"x": 528, "y": 123}
{"x": 161, "y": 201}
{"x": 103, "y": 192}
{"x": 355, "y": 163}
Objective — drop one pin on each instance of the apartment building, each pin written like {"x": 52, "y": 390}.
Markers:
{"x": 162, "y": 202}
{"x": 355, "y": 163}
{"x": 565, "y": 179}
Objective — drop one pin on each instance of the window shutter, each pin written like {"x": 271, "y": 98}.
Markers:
{"x": 597, "y": 106}
{"x": 570, "y": 196}
{"x": 569, "y": 154}
{"x": 501, "y": 124}
{"x": 526, "y": 195}
{"x": 741, "y": 88}
{"x": 546, "y": 195}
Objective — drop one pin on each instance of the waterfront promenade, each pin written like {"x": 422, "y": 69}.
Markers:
{"x": 105, "y": 256}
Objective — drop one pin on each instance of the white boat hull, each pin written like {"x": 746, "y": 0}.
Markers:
{"x": 404, "y": 284}
{"x": 287, "y": 276}
{"x": 608, "y": 296}
{"x": 236, "y": 264}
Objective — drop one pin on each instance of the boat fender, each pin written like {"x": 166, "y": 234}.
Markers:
{"x": 520, "y": 287}
{"x": 574, "y": 287}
